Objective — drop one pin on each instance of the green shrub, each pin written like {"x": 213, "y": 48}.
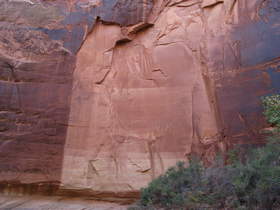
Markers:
{"x": 257, "y": 184}
{"x": 253, "y": 183}
{"x": 170, "y": 189}
{"x": 271, "y": 106}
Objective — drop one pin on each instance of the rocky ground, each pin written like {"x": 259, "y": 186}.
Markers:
{"x": 54, "y": 203}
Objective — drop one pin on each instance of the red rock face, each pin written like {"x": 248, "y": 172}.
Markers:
{"x": 35, "y": 88}
{"x": 38, "y": 43}
{"x": 106, "y": 95}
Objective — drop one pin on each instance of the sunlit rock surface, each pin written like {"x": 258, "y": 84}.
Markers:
{"x": 102, "y": 96}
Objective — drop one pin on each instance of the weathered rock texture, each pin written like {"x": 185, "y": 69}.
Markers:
{"x": 54, "y": 203}
{"x": 105, "y": 95}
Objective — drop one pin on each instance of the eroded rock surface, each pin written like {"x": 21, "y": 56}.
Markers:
{"x": 106, "y": 95}
{"x": 38, "y": 45}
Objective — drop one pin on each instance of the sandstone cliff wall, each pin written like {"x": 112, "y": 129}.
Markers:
{"x": 106, "y": 95}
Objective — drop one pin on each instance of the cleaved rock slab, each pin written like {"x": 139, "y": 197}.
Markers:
{"x": 208, "y": 3}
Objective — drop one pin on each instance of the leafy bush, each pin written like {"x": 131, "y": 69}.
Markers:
{"x": 250, "y": 184}
{"x": 271, "y": 106}
{"x": 170, "y": 189}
